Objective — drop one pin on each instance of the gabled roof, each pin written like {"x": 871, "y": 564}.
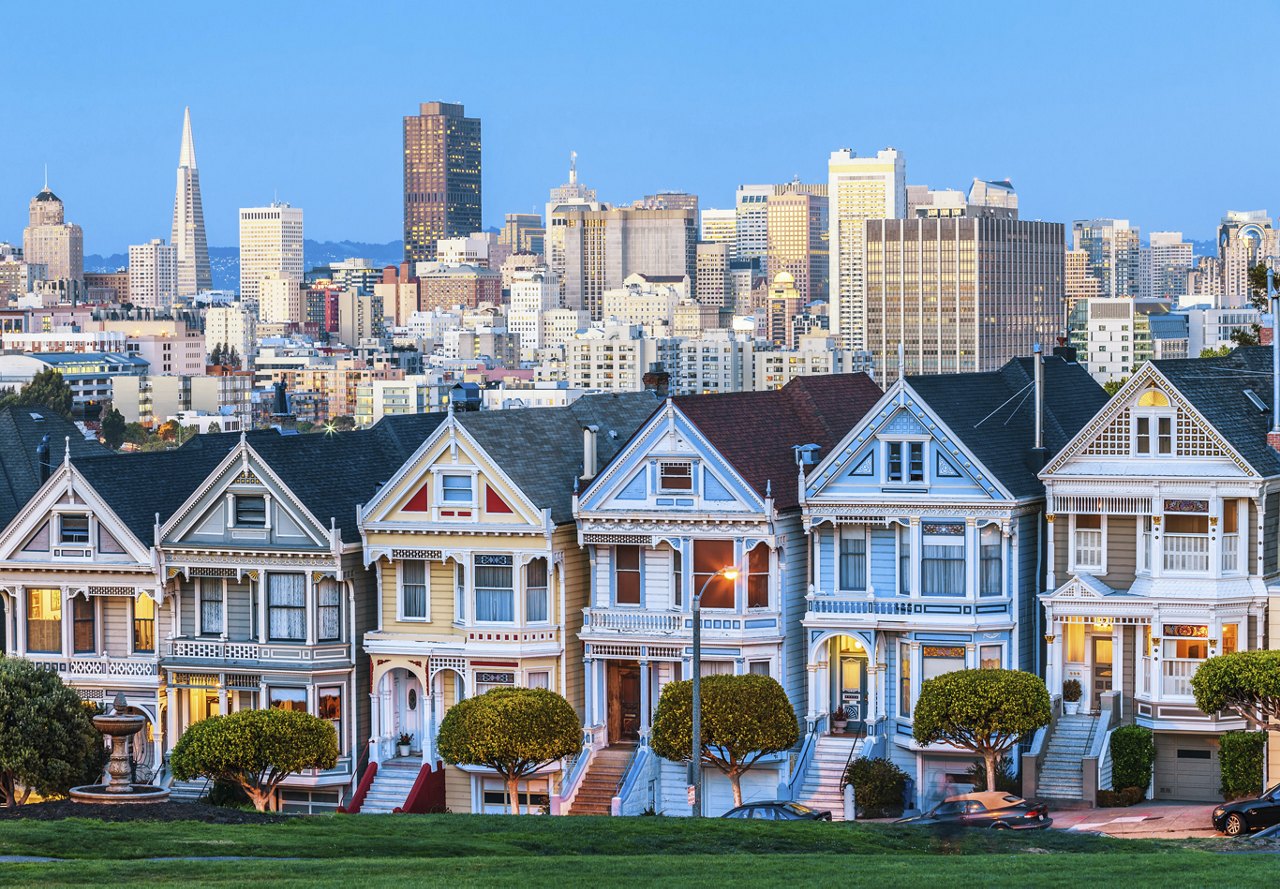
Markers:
{"x": 993, "y": 414}
{"x": 756, "y": 431}
{"x": 21, "y": 429}
{"x": 1215, "y": 387}
{"x": 540, "y": 448}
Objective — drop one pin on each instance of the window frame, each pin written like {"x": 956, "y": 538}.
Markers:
{"x": 853, "y": 533}
{"x": 476, "y": 587}
{"x": 271, "y": 608}
{"x": 138, "y": 623}
{"x": 62, "y": 531}
{"x": 999, "y": 648}
{"x": 339, "y": 723}
{"x": 239, "y": 522}
{"x": 697, "y": 583}
{"x": 273, "y": 688}
{"x": 898, "y": 451}
{"x": 443, "y": 500}
{"x": 59, "y": 598}
{"x": 201, "y": 584}
{"x": 1000, "y": 589}
{"x": 906, "y": 705}
{"x": 1152, "y": 436}
{"x": 962, "y": 545}
{"x": 1073, "y": 561}
{"x": 91, "y": 606}
{"x": 664, "y": 488}
{"x": 618, "y": 571}
{"x": 337, "y": 586}
{"x": 545, "y": 587}
{"x": 401, "y": 613}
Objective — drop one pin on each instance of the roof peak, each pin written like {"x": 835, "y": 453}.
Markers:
{"x": 187, "y": 154}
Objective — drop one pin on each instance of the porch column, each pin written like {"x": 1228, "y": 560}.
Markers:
{"x": 20, "y": 618}
{"x": 972, "y": 558}
{"x": 171, "y": 717}
{"x": 873, "y": 693}
{"x": 375, "y": 728}
{"x": 813, "y": 690}
{"x": 1118, "y": 661}
{"x": 644, "y": 702}
{"x": 1051, "y": 581}
{"x": 428, "y": 725}
{"x": 589, "y": 699}
{"x": 1056, "y": 643}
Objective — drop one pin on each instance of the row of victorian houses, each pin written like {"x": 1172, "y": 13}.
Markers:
{"x": 1016, "y": 519}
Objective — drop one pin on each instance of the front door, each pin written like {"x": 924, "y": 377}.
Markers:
{"x": 853, "y": 689}
{"x": 1102, "y": 670}
{"x": 409, "y": 706}
{"x": 624, "y": 701}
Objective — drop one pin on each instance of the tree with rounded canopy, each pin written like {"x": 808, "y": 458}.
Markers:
{"x": 47, "y": 389}
{"x": 984, "y": 711}
{"x": 744, "y": 718}
{"x": 256, "y": 749}
{"x": 113, "y": 429}
{"x": 1246, "y": 682}
{"x": 514, "y": 731}
{"x": 47, "y": 742}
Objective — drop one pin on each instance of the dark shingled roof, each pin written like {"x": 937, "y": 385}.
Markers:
{"x": 21, "y": 429}
{"x": 1216, "y": 387}
{"x": 993, "y": 414}
{"x": 540, "y": 448}
{"x": 756, "y": 431}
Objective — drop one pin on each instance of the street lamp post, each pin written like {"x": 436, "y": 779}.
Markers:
{"x": 695, "y": 764}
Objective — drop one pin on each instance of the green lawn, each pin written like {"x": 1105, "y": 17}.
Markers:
{"x": 458, "y": 850}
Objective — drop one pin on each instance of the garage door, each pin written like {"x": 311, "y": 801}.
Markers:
{"x": 1187, "y": 768}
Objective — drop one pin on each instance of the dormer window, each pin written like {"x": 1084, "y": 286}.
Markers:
{"x": 456, "y": 490}
{"x": 675, "y": 475}
{"x": 251, "y": 511}
{"x": 73, "y": 528}
{"x": 905, "y": 461}
{"x": 1153, "y": 425}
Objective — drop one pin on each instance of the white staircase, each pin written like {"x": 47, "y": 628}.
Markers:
{"x": 1061, "y": 776}
{"x": 821, "y": 787}
{"x": 189, "y": 791}
{"x": 391, "y": 786}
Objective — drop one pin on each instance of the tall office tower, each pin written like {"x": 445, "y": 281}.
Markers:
{"x": 797, "y": 241}
{"x": 522, "y": 233}
{"x": 1163, "y": 267}
{"x": 1112, "y": 245}
{"x": 570, "y": 196}
{"x": 720, "y": 225}
{"x": 714, "y": 282}
{"x": 441, "y": 178}
{"x": 153, "y": 275}
{"x": 270, "y": 241}
{"x": 1078, "y": 282}
{"x": 280, "y": 300}
{"x": 859, "y": 188}
{"x": 188, "y": 220}
{"x": 603, "y": 247}
{"x": 1245, "y": 238}
{"x": 960, "y": 294}
{"x": 751, "y": 223}
{"x": 51, "y": 241}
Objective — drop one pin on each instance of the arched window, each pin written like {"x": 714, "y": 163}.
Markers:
{"x": 1153, "y": 424}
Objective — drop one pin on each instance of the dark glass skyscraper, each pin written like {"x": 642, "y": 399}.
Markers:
{"x": 441, "y": 177}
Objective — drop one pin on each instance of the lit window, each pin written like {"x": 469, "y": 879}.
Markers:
{"x": 144, "y": 625}
{"x": 287, "y": 698}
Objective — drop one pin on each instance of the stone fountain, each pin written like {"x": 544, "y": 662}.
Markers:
{"x": 119, "y": 727}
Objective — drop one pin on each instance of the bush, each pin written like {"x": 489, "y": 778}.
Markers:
{"x": 1240, "y": 759}
{"x": 1112, "y": 799}
{"x": 1133, "y": 753}
{"x": 878, "y": 787}
{"x": 227, "y": 794}
{"x": 1006, "y": 780}
{"x": 1071, "y": 691}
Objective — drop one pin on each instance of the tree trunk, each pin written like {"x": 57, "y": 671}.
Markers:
{"x": 735, "y": 780}
{"x": 990, "y": 757}
{"x": 259, "y": 797}
{"x": 513, "y": 791}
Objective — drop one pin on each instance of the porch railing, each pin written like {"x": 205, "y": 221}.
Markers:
{"x": 99, "y": 666}
{"x": 632, "y": 622}
{"x": 819, "y": 604}
{"x": 217, "y": 649}
{"x": 1186, "y": 552}
{"x": 1177, "y": 675}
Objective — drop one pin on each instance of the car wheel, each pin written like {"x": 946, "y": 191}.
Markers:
{"x": 1235, "y": 825}
{"x": 999, "y": 825}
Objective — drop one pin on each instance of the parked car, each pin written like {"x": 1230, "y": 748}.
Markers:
{"x": 1001, "y": 811}
{"x": 1267, "y": 833}
{"x": 777, "y": 810}
{"x": 1247, "y": 815}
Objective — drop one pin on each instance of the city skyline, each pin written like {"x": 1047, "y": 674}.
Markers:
{"x": 330, "y": 143}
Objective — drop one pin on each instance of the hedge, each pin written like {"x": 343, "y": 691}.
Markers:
{"x": 1133, "y": 753}
{"x": 1240, "y": 759}
{"x": 878, "y": 787}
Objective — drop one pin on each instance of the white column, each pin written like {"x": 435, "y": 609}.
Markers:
{"x": 310, "y": 588}
{"x": 1215, "y": 537}
{"x": 67, "y": 622}
{"x": 1051, "y": 581}
{"x": 225, "y": 613}
{"x": 644, "y": 700}
{"x": 589, "y": 680}
{"x": 376, "y": 728}
{"x": 20, "y": 618}
{"x": 171, "y": 717}
{"x": 1056, "y": 651}
{"x": 260, "y": 587}
{"x": 917, "y": 555}
{"x": 1118, "y": 661}
{"x": 972, "y": 558}
{"x": 198, "y": 592}
{"x": 813, "y": 690}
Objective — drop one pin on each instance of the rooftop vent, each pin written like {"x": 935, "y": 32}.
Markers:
{"x": 1256, "y": 401}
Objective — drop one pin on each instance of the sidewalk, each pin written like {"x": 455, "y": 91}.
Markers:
{"x": 1149, "y": 820}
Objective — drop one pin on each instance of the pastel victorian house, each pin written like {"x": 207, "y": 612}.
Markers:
{"x": 267, "y": 592}
{"x": 481, "y": 581}
{"x": 1164, "y": 512}
{"x": 707, "y": 483}
{"x": 925, "y": 527}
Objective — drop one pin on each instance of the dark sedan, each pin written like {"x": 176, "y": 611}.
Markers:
{"x": 1001, "y": 811}
{"x": 777, "y": 810}
{"x": 1247, "y": 815}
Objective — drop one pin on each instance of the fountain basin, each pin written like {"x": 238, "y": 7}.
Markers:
{"x": 138, "y": 794}
{"x": 117, "y": 726}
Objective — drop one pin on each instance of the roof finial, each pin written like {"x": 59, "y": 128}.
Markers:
{"x": 66, "y": 455}
{"x": 46, "y": 176}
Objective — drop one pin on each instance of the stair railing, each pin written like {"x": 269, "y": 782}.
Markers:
{"x": 1099, "y": 744}
{"x": 427, "y": 794}
{"x": 561, "y": 802}
{"x": 636, "y": 767}
{"x": 802, "y": 763}
{"x": 366, "y": 781}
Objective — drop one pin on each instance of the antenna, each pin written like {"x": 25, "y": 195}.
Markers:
{"x": 46, "y": 176}
{"x": 573, "y": 167}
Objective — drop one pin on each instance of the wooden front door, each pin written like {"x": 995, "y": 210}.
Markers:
{"x": 1102, "y": 670}
{"x": 624, "y": 701}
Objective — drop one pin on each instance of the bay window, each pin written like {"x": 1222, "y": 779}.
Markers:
{"x": 459, "y": 593}
{"x": 535, "y": 591}
{"x": 285, "y": 698}
{"x": 710, "y": 556}
{"x": 991, "y": 565}
{"x": 286, "y": 607}
{"x": 942, "y": 559}
{"x": 758, "y": 576}
{"x": 990, "y": 657}
{"x": 904, "y": 560}
{"x": 1186, "y": 540}
{"x": 626, "y": 575}
{"x": 495, "y": 589}
{"x": 44, "y": 621}
{"x": 939, "y": 659}
{"x": 209, "y": 592}
{"x": 853, "y": 559}
{"x": 329, "y": 708}
{"x": 413, "y": 589}
{"x": 329, "y": 611}
{"x": 904, "y": 680}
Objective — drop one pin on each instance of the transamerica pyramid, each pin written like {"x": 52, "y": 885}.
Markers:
{"x": 188, "y": 221}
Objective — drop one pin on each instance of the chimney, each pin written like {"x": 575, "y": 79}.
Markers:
{"x": 657, "y": 380}
{"x": 42, "y": 455}
{"x": 589, "y": 451}
{"x": 1068, "y": 354}
{"x": 1038, "y": 455}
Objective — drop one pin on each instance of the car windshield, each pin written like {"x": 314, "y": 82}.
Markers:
{"x": 797, "y": 808}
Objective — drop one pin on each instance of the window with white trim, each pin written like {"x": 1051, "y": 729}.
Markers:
{"x": 853, "y": 558}
{"x": 329, "y": 708}
{"x": 538, "y": 679}
{"x": 675, "y": 475}
{"x": 904, "y": 461}
{"x": 495, "y": 588}
{"x": 626, "y": 574}
{"x": 1153, "y": 425}
{"x": 457, "y": 490}
{"x": 286, "y": 607}
{"x": 73, "y": 528}
{"x": 251, "y": 511}
{"x": 459, "y": 592}
{"x": 1088, "y": 543}
{"x": 209, "y": 591}
{"x": 990, "y": 657}
{"x": 904, "y": 560}
{"x": 535, "y": 591}
{"x": 991, "y": 561}
{"x": 328, "y": 610}
{"x": 904, "y": 680}
{"x": 413, "y": 589}
{"x": 942, "y": 559}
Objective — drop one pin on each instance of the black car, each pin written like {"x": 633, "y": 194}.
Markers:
{"x": 777, "y": 810}
{"x": 1000, "y": 811}
{"x": 1247, "y": 815}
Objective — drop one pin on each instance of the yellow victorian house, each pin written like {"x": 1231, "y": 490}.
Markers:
{"x": 481, "y": 581}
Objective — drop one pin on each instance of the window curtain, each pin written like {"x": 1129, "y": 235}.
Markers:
{"x": 853, "y": 561}
{"x": 287, "y": 607}
{"x": 329, "y": 610}
{"x": 942, "y": 570}
{"x": 413, "y": 588}
{"x": 535, "y": 591}
{"x": 495, "y": 596}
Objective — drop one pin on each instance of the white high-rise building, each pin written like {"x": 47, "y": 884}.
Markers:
{"x": 751, "y": 221}
{"x": 153, "y": 275}
{"x": 270, "y": 241}
{"x": 533, "y": 292}
{"x": 720, "y": 225}
{"x": 279, "y": 300}
{"x": 1163, "y": 267}
{"x": 859, "y": 188}
{"x": 188, "y": 235}
{"x": 232, "y": 327}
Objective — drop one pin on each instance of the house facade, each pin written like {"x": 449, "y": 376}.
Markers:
{"x": 708, "y": 483}
{"x": 924, "y": 528}
{"x": 1164, "y": 512}
{"x": 480, "y": 579}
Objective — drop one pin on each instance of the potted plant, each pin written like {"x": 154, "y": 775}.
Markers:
{"x": 1071, "y": 693}
{"x": 403, "y": 742}
{"x": 839, "y": 719}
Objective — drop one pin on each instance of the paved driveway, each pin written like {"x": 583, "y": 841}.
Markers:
{"x": 1149, "y": 820}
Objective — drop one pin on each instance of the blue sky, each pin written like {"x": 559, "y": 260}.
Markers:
{"x": 1151, "y": 111}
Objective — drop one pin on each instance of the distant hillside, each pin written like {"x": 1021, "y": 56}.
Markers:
{"x": 224, "y": 262}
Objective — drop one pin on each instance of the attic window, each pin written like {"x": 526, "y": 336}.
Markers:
{"x": 905, "y": 461}
{"x": 1153, "y": 398}
{"x": 73, "y": 528}
{"x": 251, "y": 511}
{"x": 675, "y": 476}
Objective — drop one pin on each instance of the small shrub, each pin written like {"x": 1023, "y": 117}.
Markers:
{"x": 1133, "y": 753}
{"x": 1240, "y": 759}
{"x": 878, "y": 786}
{"x": 1130, "y": 796}
{"x": 1006, "y": 780}
{"x": 1071, "y": 691}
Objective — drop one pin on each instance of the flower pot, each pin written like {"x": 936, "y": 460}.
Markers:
{"x": 1071, "y": 708}
{"x": 402, "y": 749}
{"x": 839, "y": 725}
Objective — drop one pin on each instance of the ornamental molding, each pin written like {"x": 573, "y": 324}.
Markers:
{"x": 752, "y": 525}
